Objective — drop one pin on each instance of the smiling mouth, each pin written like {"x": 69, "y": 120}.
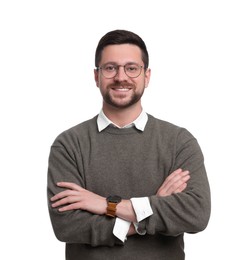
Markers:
{"x": 122, "y": 89}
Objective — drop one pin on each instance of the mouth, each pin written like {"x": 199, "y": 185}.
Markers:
{"x": 121, "y": 89}
{"x": 124, "y": 87}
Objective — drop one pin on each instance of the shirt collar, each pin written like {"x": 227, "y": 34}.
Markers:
{"x": 103, "y": 121}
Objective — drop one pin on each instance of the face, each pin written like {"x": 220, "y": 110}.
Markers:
{"x": 122, "y": 91}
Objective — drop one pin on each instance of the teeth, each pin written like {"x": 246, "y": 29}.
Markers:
{"x": 122, "y": 89}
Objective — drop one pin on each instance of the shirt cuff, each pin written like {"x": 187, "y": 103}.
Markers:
{"x": 138, "y": 230}
{"x": 142, "y": 208}
{"x": 121, "y": 229}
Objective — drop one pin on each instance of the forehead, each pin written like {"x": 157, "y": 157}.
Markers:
{"x": 121, "y": 54}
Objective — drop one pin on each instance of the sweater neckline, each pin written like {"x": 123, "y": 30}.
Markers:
{"x": 111, "y": 129}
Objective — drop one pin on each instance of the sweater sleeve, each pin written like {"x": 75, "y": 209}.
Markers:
{"x": 75, "y": 226}
{"x": 188, "y": 211}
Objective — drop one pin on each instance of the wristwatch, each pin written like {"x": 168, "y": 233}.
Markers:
{"x": 112, "y": 202}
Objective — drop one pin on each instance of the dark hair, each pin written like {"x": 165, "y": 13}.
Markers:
{"x": 121, "y": 37}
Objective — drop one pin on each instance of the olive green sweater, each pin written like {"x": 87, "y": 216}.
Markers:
{"x": 129, "y": 163}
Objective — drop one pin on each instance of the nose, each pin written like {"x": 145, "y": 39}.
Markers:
{"x": 121, "y": 75}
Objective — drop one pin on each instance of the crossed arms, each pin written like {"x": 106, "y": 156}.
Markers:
{"x": 75, "y": 197}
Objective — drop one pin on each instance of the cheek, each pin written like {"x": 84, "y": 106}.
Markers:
{"x": 102, "y": 85}
{"x": 143, "y": 83}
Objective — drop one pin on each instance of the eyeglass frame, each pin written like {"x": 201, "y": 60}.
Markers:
{"x": 117, "y": 66}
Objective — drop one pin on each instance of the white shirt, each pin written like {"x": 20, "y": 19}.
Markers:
{"x": 103, "y": 121}
{"x": 142, "y": 205}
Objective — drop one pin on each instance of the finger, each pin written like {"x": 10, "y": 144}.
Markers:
{"x": 177, "y": 174}
{"x": 69, "y": 185}
{"x": 63, "y": 194}
{"x": 175, "y": 185}
{"x": 173, "y": 174}
{"x": 171, "y": 187}
{"x": 67, "y": 200}
{"x": 173, "y": 178}
{"x": 70, "y": 207}
{"x": 181, "y": 188}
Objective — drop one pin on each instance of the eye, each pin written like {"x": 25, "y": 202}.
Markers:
{"x": 109, "y": 68}
{"x": 131, "y": 68}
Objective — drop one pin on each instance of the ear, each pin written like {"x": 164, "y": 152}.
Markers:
{"x": 96, "y": 77}
{"x": 147, "y": 77}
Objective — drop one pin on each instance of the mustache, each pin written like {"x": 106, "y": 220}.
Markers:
{"x": 121, "y": 84}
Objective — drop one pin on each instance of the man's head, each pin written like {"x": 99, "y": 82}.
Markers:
{"x": 122, "y": 71}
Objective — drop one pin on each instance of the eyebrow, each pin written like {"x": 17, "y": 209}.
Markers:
{"x": 115, "y": 63}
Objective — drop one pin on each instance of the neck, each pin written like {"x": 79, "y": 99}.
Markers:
{"x": 122, "y": 116}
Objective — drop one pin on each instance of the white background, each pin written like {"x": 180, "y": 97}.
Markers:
{"x": 198, "y": 57}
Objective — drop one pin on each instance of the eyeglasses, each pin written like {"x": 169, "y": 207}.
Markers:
{"x": 110, "y": 70}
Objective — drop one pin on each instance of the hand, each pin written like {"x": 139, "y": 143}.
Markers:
{"x": 176, "y": 182}
{"x": 75, "y": 197}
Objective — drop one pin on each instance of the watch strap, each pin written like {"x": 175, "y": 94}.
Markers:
{"x": 111, "y": 209}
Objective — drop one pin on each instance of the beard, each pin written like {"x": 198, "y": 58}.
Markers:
{"x": 120, "y": 102}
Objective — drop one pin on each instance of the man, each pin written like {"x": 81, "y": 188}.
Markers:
{"x": 125, "y": 185}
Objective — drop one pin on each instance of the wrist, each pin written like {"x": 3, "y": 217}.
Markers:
{"x": 132, "y": 230}
{"x": 125, "y": 211}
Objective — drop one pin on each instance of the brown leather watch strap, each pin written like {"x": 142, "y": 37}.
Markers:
{"x": 111, "y": 209}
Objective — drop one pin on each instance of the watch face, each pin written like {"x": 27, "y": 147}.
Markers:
{"x": 114, "y": 199}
